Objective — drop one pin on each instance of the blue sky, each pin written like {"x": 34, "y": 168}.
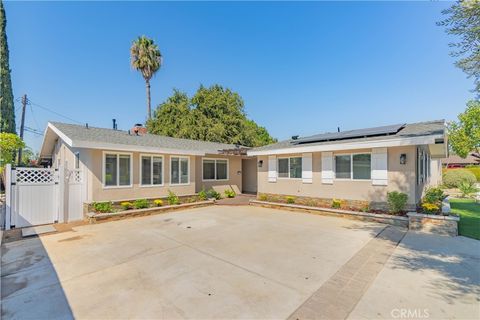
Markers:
{"x": 301, "y": 68}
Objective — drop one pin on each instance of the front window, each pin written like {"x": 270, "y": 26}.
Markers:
{"x": 353, "y": 166}
{"x": 117, "y": 170}
{"x": 179, "y": 172}
{"x": 215, "y": 169}
{"x": 151, "y": 170}
{"x": 290, "y": 167}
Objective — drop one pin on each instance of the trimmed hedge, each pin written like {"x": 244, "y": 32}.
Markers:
{"x": 453, "y": 177}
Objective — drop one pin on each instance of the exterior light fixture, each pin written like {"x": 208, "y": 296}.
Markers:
{"x": 260, "y": 163}
{"x": 403, "y": 158}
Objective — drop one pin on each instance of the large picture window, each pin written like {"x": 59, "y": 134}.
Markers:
{"x": 290, "y": 167}
{"x": 353, "y": 166}
{"x": 179, "y": 170}
{"x": 215, "y": 169}
{"x": 117, "y": 170}
{"x": 151, "y": 170}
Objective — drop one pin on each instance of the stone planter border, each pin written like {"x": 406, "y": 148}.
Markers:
{"x": 382, "y": 218}
{"x": 435, "y": 224}
{"x": 93, "y": 217}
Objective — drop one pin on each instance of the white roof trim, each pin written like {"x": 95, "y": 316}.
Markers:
{"x": 59, "y": 133}
{"x": 351, "y": 145}
{"x": 114, "y": 146}
{"x": 131, "y": 148}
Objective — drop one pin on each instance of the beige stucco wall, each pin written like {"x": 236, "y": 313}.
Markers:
{"x": 96, "y": 192}
{"x": 91, "y": 162}
{"x": 400, "y": 178}
{"x": 234, "y": 173}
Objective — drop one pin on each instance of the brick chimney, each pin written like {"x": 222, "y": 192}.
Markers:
{"x": 138, "y": 129}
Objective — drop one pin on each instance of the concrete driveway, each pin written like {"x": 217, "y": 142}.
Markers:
{"x": 221, "y": 262}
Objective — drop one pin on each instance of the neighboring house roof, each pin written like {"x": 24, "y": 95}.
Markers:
{"x": 454, "y": 159}
{"x": 385, "y": 136}
{"x": 79, "y": 136}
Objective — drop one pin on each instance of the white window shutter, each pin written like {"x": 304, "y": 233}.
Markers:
{"x": 327, "y": 167}
{"x": 379, "y": 166}
{"x": 272, "y": 169}
{"x": 307, "y": 174}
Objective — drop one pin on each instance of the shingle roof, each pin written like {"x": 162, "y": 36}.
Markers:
{"x": 110, "y": 136}
{"x": 436, "y": 127}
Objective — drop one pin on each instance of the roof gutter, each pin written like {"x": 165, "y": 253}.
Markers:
{"x": 408, "y": 141}
{"x": 125, "y": 147}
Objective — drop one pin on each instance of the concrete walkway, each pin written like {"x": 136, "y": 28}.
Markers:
{"x": 337, "y": 297}
{"x": 239, "y": 262}
{"x": 239, "y": 200}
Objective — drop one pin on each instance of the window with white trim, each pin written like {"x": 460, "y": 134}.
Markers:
{"x": 356, "y": 166}
{"x": 290, "y": 167}
{"x": 151, "y": 170}
{"x": 215, "y": 169}
{"x": 179, "y": 170}
{"x": 117, "y": 170}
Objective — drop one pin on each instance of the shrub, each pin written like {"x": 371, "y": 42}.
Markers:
{"x": 263, "y": 197}
{"x": 213, "y": 194}
{"x": 290, "y": 199}
{"x": 396, "y": 201}
{"x": 172, "y": 198}
{"x": 475, "y": 170}
{"x": 141, "y": 204}
{"x": 158, "y": 202}
{"x": 453, "y": 177}
{"x": 103, "y": 206}
{"x": 336, "y": 203}
{"x": 365, "y": 208}
{"x": 467, "y": 189}
{"x": 202, "y": 195}
{"x": 431, "y": 208}
{"x": 433, "y": 195}
{"x": 126, "y": 205}
{"x": 230, "y": 193}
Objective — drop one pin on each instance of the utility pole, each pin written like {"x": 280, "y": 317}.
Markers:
{"x": 22, "y": 126}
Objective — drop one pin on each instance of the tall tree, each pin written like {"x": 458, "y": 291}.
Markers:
{"x": 146, "y": 58}
{"x": 7, "y": 109}
{"x": 213, "y": 114}
{"x": 464, "y": 135}
{"x": 463, "y": 20}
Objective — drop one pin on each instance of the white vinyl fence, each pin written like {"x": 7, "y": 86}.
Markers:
{"x": 35, "y": 196}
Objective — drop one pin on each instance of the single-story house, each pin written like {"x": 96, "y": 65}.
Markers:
{"x": 357, "y": 166}
{"x": 454, "y": 161}
{"x": 123, "y": 165}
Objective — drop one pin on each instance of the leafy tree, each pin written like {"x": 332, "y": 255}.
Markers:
{"x": 29, "y": 157}
{"x": 213, "y": 114}
{"x": 464, "y": 135}
{"x": 146, "y": 58}
{"x": 7, "y": 109}
{"x": 9, "y": 145}
{"x": 464, "y": 21}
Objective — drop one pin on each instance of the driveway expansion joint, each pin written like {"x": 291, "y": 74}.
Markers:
{"x": 339, "y": 295}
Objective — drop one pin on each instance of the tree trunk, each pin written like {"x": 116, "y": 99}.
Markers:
{"x": 149, "y": 108}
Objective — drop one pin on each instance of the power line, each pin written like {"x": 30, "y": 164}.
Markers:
{"x": 31, "y": 130}
{"x": 54, "y": 112}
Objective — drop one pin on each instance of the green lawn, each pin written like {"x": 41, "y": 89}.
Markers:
{"x": 469, "y": 213}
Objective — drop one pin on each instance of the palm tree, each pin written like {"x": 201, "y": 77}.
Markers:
{"x": 146, "y": 58}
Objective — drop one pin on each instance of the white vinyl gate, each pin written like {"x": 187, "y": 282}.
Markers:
{"x": 36, "y": 196}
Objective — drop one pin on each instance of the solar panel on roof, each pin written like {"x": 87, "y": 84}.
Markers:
{"x": 360, "y": 133}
